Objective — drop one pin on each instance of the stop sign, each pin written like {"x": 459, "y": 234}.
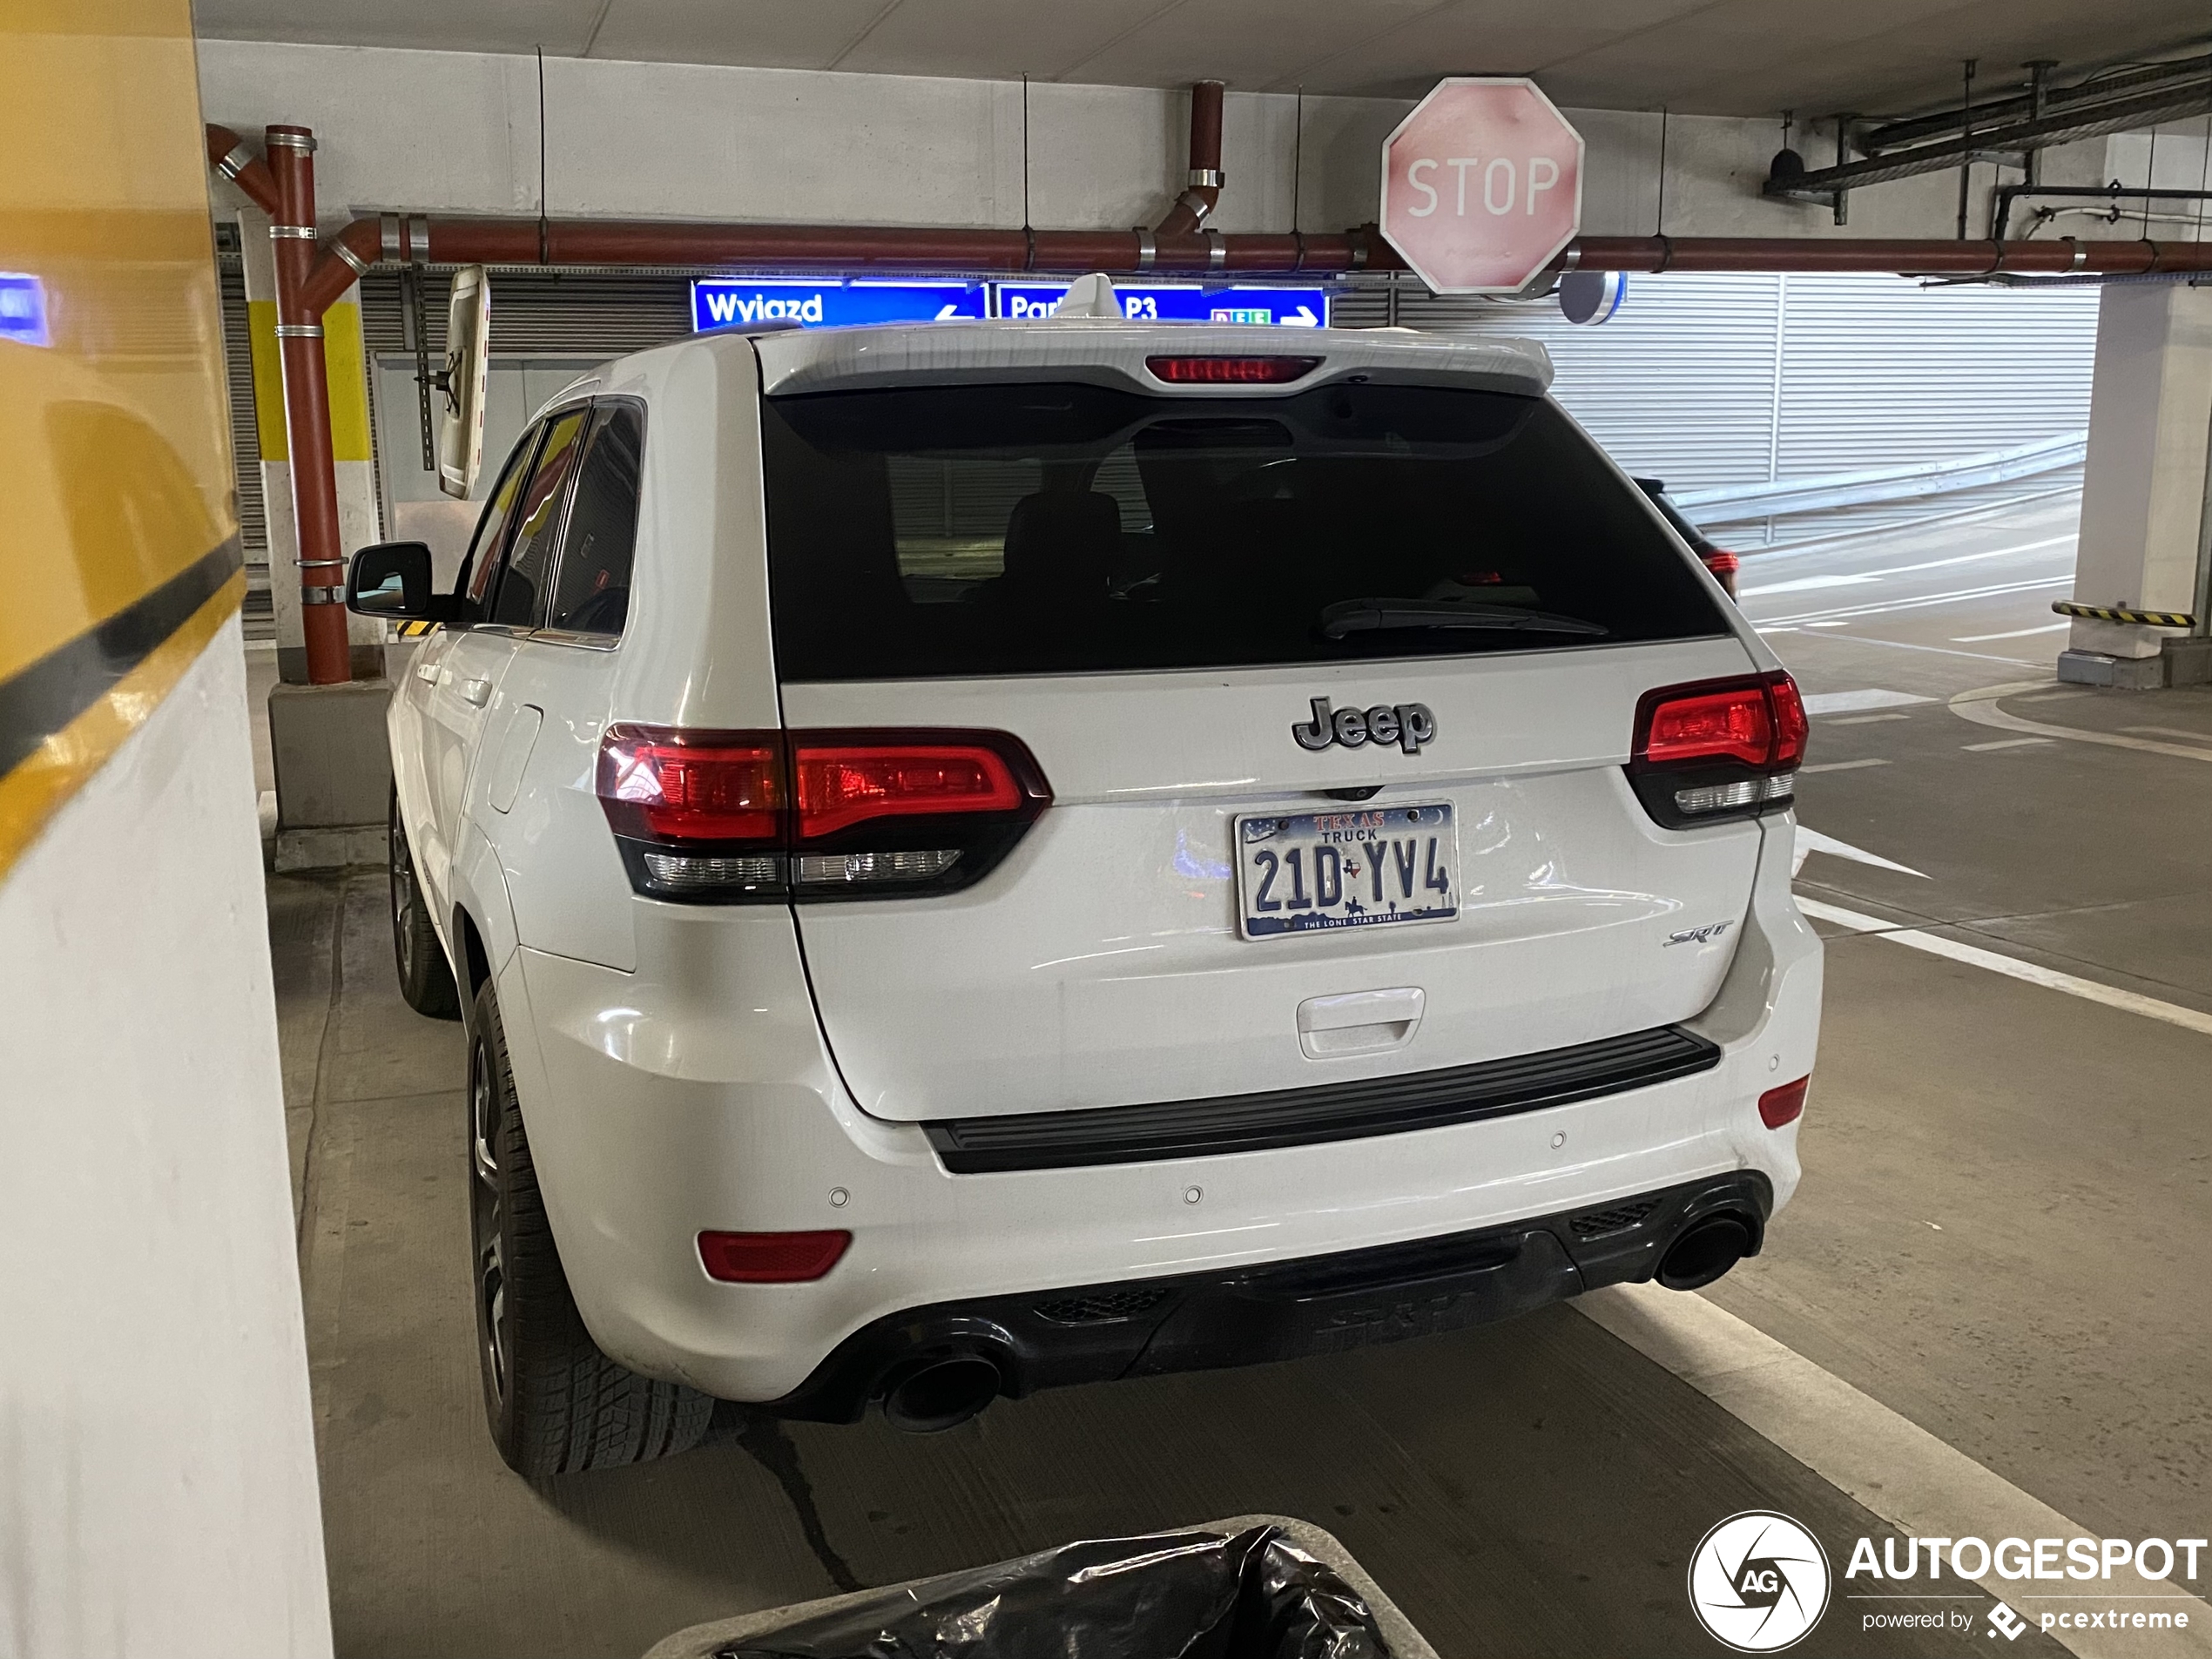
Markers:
{"x": 1482, "y": 185}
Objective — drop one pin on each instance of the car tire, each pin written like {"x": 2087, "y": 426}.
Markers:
{"x": 426, "y": 978}
{"x": 554, "y": 1402}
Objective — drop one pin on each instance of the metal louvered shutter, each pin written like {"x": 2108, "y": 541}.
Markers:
{"x": 245, "y": 445}
{"x": 596, "y": 313}
{"x": 1678, "y": 386}
{"x": 1708, "y": 380}
{"x": 1882, "y": 371}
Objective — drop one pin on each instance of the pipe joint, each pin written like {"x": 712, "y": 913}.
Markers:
{"x": 1217, "y": 251}
{"x": 1209, "y": 177}
{"x": 297, "y": 138}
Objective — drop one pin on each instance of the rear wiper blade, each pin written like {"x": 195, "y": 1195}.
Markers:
{"x": 1371, "y": 616}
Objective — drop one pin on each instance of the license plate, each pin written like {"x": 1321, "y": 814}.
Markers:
{"x": 1355, "y": 868}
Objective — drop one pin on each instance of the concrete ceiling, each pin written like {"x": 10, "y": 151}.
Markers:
{"x": 1712, "y": 57}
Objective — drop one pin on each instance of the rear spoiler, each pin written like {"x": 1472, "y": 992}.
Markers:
{"x": 1107, "y": 352}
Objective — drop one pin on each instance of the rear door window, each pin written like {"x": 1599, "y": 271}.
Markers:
{"x": 591, "y": 595}
{"x": 519, "y": 600}
{"x": 963, "y": 531}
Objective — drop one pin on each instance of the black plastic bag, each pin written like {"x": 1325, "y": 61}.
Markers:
{"x": 1171, "y": 1596}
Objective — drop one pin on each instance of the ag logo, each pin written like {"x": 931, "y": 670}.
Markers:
{"x": 1759, "y": 1581}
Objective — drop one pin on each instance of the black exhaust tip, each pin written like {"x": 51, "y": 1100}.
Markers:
{"x": 942, "y": 1395}
{"x": 1704, "y": 1251}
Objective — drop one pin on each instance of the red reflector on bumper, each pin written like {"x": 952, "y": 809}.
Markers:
{"x": 1783, "y": 1105}
{"x": 771, "y": 1258}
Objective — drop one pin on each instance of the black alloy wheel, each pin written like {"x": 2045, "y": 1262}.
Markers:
{"x": 554, "y": 1402}
{"x": 426, "y": 978}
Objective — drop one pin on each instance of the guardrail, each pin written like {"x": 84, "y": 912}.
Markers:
{"x": 1728, "y": 503}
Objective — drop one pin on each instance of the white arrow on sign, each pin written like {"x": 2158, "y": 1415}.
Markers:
{"x": 1302, "y": 318}
{"x": 948, "y": 312}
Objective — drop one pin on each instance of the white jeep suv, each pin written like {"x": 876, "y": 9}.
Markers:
{"x": 978, "y": 857}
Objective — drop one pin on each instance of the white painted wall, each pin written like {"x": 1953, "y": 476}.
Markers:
{"x": 458, "y": 132}
{"x": 2143, "y": 495}
{"x": 158, "y": 1490}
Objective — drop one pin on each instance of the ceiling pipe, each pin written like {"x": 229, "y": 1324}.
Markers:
{"x": 393, "y": 239}
{"x": 1203, "y": 193}
{"x": 2039, "y": 100}
{"x": 2170, "y": 102}
{"x": 398, "y": 238}
{"x": 2061, "y": 256}
{"x": 290, "y": 168}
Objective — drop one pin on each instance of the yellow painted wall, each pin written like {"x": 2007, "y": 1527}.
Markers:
{"x": 115, "y": 466}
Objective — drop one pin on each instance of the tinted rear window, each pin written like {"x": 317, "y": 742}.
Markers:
{"x": 967, "y": 531}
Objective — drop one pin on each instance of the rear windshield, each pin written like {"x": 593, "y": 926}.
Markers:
{"x": 1035, "y": 528}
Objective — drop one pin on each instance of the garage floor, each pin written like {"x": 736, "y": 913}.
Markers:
{"x": 2001, "y": 1239}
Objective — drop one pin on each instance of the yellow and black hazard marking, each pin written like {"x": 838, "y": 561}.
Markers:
{"x": 2120, "y": 613}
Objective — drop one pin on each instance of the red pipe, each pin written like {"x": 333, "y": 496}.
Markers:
{"x": 228, "y": 154}
{"x": 306, "y": 408}
{"x": 1206, "y": 180}
{"x": 793, "y": 247}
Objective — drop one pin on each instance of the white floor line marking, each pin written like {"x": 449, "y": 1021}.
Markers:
{"x": 1872, "y": 698}
{"x": 1881, "y": 1460}
{"x": 2017, "y": 633}
{"x": 1981, "y": 708}
{"x": 1940, "y": 651}
{"x": 2088, "y": 990}
{"x": 1955, "y": 596}
{"x": 1808, "y": 582}
{"x": 2005, "y": 743}
{"x": 1845, "y": 766}
{"x": 1868, "y": 719}
{"x": 1805, "y": 584}
{"x": 1812, "y": 840}
{"x": 2168, "y": 731}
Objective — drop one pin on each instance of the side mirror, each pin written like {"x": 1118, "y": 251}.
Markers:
{"x": 392, "y": 580}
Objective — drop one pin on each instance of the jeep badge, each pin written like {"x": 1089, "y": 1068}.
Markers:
{"x": 1407, "y": 725}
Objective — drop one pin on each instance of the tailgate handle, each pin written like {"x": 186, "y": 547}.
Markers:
{"x": 1359, "y": 1021}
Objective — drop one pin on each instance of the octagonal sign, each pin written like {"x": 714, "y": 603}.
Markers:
{"x": 1482, "y": 185}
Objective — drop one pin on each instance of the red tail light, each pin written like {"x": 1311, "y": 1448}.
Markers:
{"x": 1723, "y": 565}
{"x": 1231, "y": 371}
{"x": 692, "y": 786}
{"x": 1783, "y": 1105}
{"x": 1719, "y": 749}
{"x": 1737, "y": 723}
{"x": 841, "y": 787}
{"x": 722, "y": 816}
{"x": 771, "y": 1258}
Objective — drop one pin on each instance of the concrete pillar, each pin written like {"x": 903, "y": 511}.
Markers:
{"x": 344, "y": 354}
{"x": 2144, "y": 498}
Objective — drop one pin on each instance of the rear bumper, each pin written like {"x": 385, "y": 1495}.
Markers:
{"x": 1047, "y": 1338}
{"x": 696, "y": 1094}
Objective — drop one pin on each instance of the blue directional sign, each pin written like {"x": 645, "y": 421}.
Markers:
{"x": 22, "y": 309}
{"x": 1182, "y": 302}
{"x": 718, "y": 302}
